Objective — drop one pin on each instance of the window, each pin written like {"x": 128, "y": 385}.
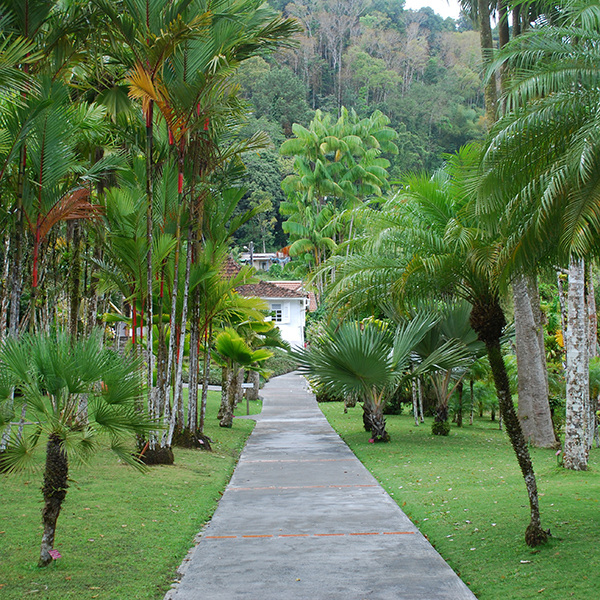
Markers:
{"x": 276, "y": 309}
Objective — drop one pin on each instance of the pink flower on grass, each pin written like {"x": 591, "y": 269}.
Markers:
{"x": 558, "y": 452}
{"x": 371, "y": 441}
{"x": 55, "y": 554}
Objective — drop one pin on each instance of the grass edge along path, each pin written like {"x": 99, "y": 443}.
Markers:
{"x": 466, "y": 494}
{"x": 122, "y": 534}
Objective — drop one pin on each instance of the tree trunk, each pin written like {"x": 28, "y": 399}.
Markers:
{"x": 177, "y": 415}
{"x": 591, "y": 312}
{"x": 415, "y": 402}
{"x": 54, "y": 491}
{"x": 225, "y": 378}
{"x": 153, "y": 393}
{"x": 577, "y": 372}
{"x": 227, "y": 418}
{"x": 378, "y": 432}
{"x": 534, "y": 408}
{"x": 471, "y": 386}
{"x": 5, "y": 288}
{"x": 487, "y": 46}
{"x": 487, "y": 320}
{"x": 74, "y": 281}
{"x": 205, "y": 379}
{"x": 421, "y": 416}
{"x": 192, "y": 420}
{"x": 254, "y": 379}
{"x": 459, "y": 412}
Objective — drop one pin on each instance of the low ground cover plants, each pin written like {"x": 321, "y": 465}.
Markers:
{"x": 466, "y": 494}
{"x": 122, "y": 534}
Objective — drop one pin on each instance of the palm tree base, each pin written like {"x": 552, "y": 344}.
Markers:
{"x": 186, "y": 438}
{"x": 535, "y": 535}
{"x": 440, "y": 428}
{"x": 158, "y": 456}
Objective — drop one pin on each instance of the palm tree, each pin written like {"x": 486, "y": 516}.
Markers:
{"x": 53, "y": 372}
{"x": 431, "y": 243}
{"x": 236, "y": 354}
{"x": 546, "y": 142}
{"x": 369, "y": 362}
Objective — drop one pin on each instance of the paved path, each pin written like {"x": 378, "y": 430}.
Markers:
{"x": 302, "y": 519}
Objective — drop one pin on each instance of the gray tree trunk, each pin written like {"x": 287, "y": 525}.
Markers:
{"x": 254, "y": 379}
{"x": 415, "y": 401}
{"x": 577, "y": 376}
{"x": 534, "y": 410}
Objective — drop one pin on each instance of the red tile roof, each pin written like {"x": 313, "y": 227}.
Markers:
{"x": 266, "y": 289}
{"x": 262, "y": 289}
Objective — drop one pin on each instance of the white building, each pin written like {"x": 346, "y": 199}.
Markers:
{"x": 288, "y": 309}
{"x": 288, "y": 306}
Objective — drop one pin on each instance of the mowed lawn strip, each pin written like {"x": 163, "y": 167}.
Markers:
{"x": 466, "y": 494}
{"x": 122, "y": 534}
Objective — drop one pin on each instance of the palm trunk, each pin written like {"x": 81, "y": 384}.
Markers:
{"x": 227, "y": 418}
{"x": 192, "y": 420}
{"x": 54, "y": 491}
{"x": 225, "y": 377}
{"x": 471, "y": 385}
{"x": 5, "y": 288}
{"x": 487, "y": 320}
{"x": 534, "y": 408}
{"x": 577, "y": 418}
{"x": 173, "y": 331}
{"x": 153, "y": 400}
{"x": 459, "y": 412}
{"x": 74, "y": 276}
{"x": 177, "y": 415}
{"x": 205, "y": 379}
{"x": 487, "y": 46}
{"x": 253, "y": 392}
{"x": 421, "y": 416}
{"x": 415, "y": 402}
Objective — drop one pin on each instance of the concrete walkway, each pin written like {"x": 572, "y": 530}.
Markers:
{"x": 302, "y": 519}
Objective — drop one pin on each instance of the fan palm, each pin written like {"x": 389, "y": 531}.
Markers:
{"x": 53, "y": 373}
{"x": 369, "y": 362}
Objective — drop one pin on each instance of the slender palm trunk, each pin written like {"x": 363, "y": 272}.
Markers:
{"x": 5, "y": 287}
{"x": 421, "y": 416}
{"x": 415, "y": 402}
{"x": 153, "y": 400}
{"x": 487, "y": 320}
{"x": 173, "y": 330}
{"x": 75, "y": 281}
{"x": 534, "y": 408}
{"x": 487, "y": 46}
{"x": 176, "y": 416}
{"x": 54, "y": 491}
{"x": 205, "y": 378}
{"x": 576, "y": 447}
{"x": 192, "y": 420}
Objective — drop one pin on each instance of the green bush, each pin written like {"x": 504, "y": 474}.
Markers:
{"x": 280, "y": 363}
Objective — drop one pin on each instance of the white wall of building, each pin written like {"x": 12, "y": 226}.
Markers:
{"x": 290, "y": 318}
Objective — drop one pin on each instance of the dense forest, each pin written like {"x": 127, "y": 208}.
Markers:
{"x": 422, "y": 71}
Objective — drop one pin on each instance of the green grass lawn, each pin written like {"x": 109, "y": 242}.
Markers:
{"x": 466, "y": 494}
{"x": 122, "y": 534}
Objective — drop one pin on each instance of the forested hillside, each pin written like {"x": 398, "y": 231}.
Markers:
{"x": 420, "y": 70}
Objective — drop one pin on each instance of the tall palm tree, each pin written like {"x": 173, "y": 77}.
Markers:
{"x": 547, "y": 141}
{"x": 431, "y": 243}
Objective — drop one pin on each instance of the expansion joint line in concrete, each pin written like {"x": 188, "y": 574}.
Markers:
{"x": 288, "y": 535}
{"x": 299, "y": 460}
{"x": 300, "y": 487}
